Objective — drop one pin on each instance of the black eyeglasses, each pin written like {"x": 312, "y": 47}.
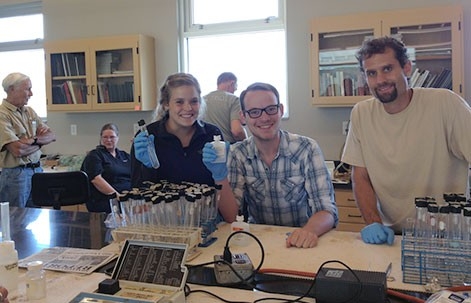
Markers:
{"x": 257, "y": 112}
{"x": 109, "y": 137}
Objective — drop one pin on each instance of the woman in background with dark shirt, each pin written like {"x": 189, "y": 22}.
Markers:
{"x": 108, "y": 168}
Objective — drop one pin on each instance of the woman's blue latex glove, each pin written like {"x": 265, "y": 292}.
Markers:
{"x": 377, "y": 233}
{"x": 218, "y": 170}
{"x": 140, "y": 148}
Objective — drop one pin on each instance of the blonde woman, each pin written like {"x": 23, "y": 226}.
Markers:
{"x": 179, "y": 137}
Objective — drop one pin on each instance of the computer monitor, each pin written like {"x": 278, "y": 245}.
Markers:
{"x": 60, "y": 188}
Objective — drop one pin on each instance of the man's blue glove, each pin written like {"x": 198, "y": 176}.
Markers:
{"x": 377, "y": 233}
{"x": 218, "y": 170}
{"x": 140, "y": 148}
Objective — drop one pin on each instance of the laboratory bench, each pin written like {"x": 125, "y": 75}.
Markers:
{"x": 34, "y": 229}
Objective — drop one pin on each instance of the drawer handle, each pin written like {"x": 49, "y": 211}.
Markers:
{"x": 351, "y": 199}
{"x": 354, "y": 216}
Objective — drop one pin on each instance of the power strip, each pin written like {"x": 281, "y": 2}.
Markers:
{"x": 241, "y": 264}
{"x": 355, "y": 286}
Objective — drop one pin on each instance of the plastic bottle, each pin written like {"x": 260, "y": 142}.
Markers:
{"x": 8, "y": 265}
{"x": 239, "y": 225}
{"x": 150, "y": 145}
{"x": 35, "y": 281}
{"x": 220, "y": 147}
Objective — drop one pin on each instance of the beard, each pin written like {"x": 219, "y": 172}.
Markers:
{"x": 386, "y": 98}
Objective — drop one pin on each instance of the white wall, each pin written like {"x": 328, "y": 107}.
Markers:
{"x": 66, "y": 19}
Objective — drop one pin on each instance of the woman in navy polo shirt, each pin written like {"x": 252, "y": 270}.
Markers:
{"x": 179, "y": 137}
{"x": 108, "y": 168}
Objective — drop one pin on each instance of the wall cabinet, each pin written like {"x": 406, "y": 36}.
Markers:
{"x": 101, "y": 74}
{"x": 350, "y": 218}
{"x": 433, "y": 36}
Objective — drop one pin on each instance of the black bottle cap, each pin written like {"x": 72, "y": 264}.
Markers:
{"x": 108, "y": 286}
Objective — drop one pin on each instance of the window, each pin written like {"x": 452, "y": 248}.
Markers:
{"x": 245, "y": 37}
{"x": 21, "y": 48}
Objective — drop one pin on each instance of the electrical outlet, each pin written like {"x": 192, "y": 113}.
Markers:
{"x": 345, "y": 126}
{"x": 73, "y": 129}
{"x": 136, "y": 128}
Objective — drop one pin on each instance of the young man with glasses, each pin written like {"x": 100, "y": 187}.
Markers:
{"x": 279, "y": 177}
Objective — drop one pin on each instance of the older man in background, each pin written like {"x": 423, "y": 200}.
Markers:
{"x": 22, "y": 133}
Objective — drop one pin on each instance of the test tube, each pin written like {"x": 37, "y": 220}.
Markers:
{"x": 455, "y": 223}
{"x": 115, "y": 210}
{"x": 158, "y": 209}
{"x": 206, "y": 207}
{"x": 432, "y": 220}
{"x": 467, "y": 237}
{"x": 444, "y": 222}
{"x": 123, "y": 203}
{"x": 466, "y": 224}
{"x": 169, "y": 207}
{"x": 433, "y": 240}
{"x": 5, "y": 215}
{"x": 421, "y": 216}
{"x": 190, "y": 210}
{"x": 149, "y": 215}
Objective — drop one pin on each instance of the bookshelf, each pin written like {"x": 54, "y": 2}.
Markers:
{"x": 101, "y": 74}
{"x": 433, "y": 37}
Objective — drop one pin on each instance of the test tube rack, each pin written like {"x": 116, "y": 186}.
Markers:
{"x": 446, "y": 261}
{"x": 186, "y": 235}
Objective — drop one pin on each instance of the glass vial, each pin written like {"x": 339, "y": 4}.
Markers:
{"x": 432, "y": 221}
{"x": 8, "y": 265}
{"x": 220, "y": 148}
{"x": 239, "y": 225}
{"x": 455, "y": 222}
{"x": 444, "y": 222}
{"x": 467, "y": 224}
{"x": 150, "y": 145}
{"x": 35, "y": 281}
{"x": 467, "y": 237}
{"x": 421, "y": 216}
{"x": 114, "y": 219}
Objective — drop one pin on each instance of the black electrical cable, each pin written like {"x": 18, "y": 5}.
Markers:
{"x": 211, "y": 294}
{"x": 247, "y": 280}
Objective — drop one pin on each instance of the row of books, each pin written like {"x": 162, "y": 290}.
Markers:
{"x": 340, "y": 83}
{"x": 425, "y": 78}
{"x": 75, "y": 92}
{"x": 69, "y": 92}
{"x": 68, "y": 64}
{"x": 110, "y": 92}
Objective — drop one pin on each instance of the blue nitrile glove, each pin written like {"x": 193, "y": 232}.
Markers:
{"x": 377, "y": 233}
{"x": 218, "y": 170}
{"x": 140, "y": 148}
